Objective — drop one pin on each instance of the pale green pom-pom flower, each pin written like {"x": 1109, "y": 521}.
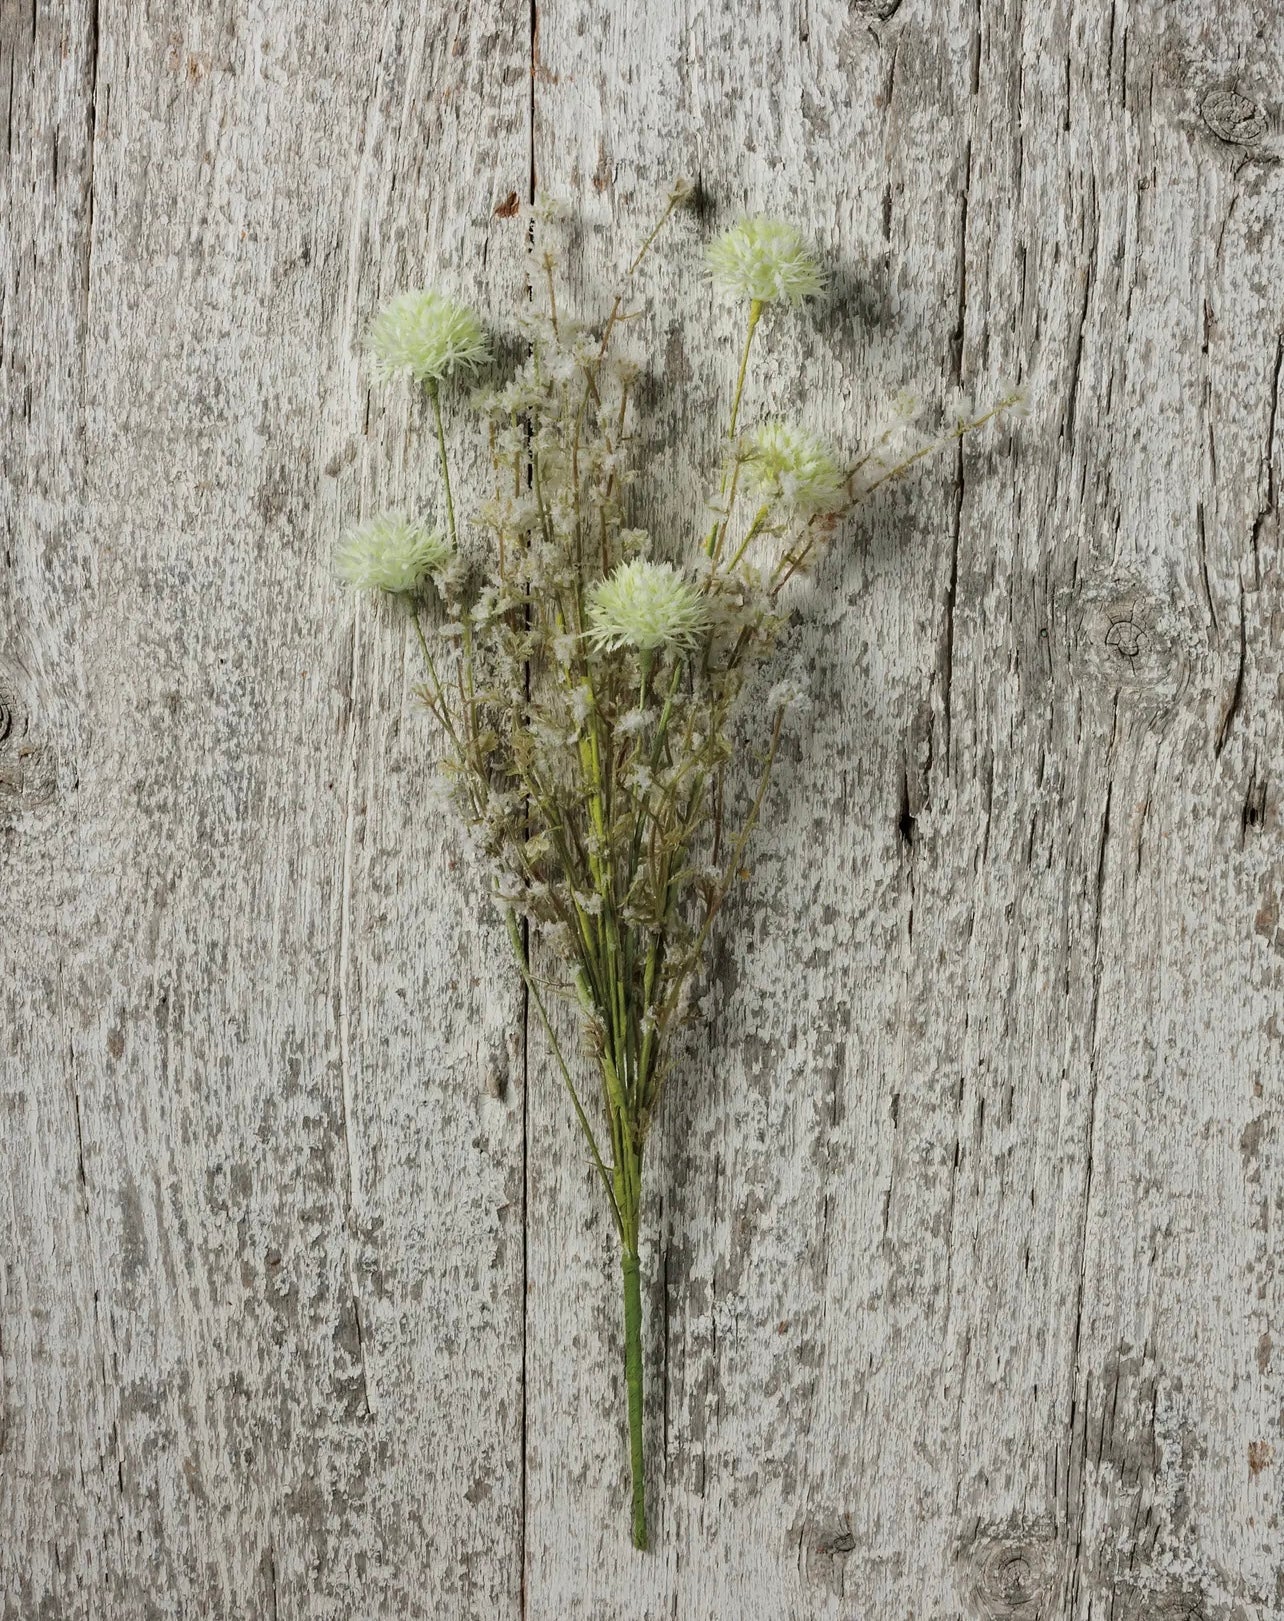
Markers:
{"x": 390, "y": 553}
{"x": 793, "y": 467}
{"x": 428, "y": 335}
{"x": 763, "y": 260}
{"x": 647, "y": 606}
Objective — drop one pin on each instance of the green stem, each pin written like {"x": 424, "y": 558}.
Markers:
{"x": 755, "y": 315}
{"x": 958, "y": 432}
{"x": 434, "y": 394}
{"x": 524, "y": 968}
{"x": 467, "y": 691}
{"x": 712, "y": 541}
{"x": 633, "y": 1381}
{"x": 760, "y": 518}
{"x": 632, "y": 270}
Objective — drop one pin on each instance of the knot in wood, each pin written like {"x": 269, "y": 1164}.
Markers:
{"x": 28, "y": 769}
{"x": 12, "y": 712}
{"x": 1012, "y": 1575}
{"x": 1158, "y": 1599}
{"x": 1233, "y": 118}
{"x": 1126, "y": 638}
{"x": 1132, "y": 641}
{"x": 1179, "y": 1604}
{"x": 829, "y": 1541}
{"x": 14, "y": 760}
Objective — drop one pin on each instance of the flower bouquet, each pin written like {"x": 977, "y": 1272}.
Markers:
{"x": 586, "y": 680}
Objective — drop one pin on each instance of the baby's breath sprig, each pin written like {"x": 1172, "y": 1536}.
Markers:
{"x": 589, "y": 693}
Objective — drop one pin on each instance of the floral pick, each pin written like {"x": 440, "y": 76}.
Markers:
{"x": 590, "y": 694}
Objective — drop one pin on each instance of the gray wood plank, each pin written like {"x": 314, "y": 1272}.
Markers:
{"x": 963, "y": 1292}
{"x": 263, "y": 1218}
{"x": 962, "y": 1246}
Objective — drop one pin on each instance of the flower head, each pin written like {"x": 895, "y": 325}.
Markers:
{"x": 764, "y": 259}
{"x": 390, "y": 553}
{"x": 427, "y": 335}
{"x": 793, "y": 467}
{"x": 645, "y": 605}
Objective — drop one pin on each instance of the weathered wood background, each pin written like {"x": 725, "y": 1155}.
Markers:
{"x": 965, "y": 1292}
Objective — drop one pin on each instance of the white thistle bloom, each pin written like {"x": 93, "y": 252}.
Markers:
{"x": 426, "y": 334}
{"x": 488, "y": 606}
{"x": 390, "y": 553}
{"x": 441, "y": 791}
{"x": 647, "y": 606}
{"x": 510, "y": 442}
{"x": 518, "y": 396}
{"x": 763, "y": 260}
{"x": 795, "y": 468}
{"x": 553, "y": 737}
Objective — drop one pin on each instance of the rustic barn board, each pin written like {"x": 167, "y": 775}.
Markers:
{"x": 966, "y": 1199}
{"x": 262, "y": 1335}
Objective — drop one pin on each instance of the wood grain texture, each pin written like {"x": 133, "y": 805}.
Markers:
{"x": 260, "y": 1355}
{"x": 963, "y": 1288}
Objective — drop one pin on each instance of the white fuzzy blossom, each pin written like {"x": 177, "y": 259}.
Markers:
{"x": 1014, "y": 397}
{"x": 426, "y": 334}
{"x": 960, "y": 409}
{"x": 640, "y": 778}
{"x": 790, "y": 696}
{"x": 763, "y": 260}
{"x": 634, "y": 722}
{"x": 563, "y": 647}
{"x": 790, "y": 466}
{"x": 547, "y": 209}
{"x": 647, "y": 606}
{"x": 508, "y": 887}
{"x": 390, "y": 553}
